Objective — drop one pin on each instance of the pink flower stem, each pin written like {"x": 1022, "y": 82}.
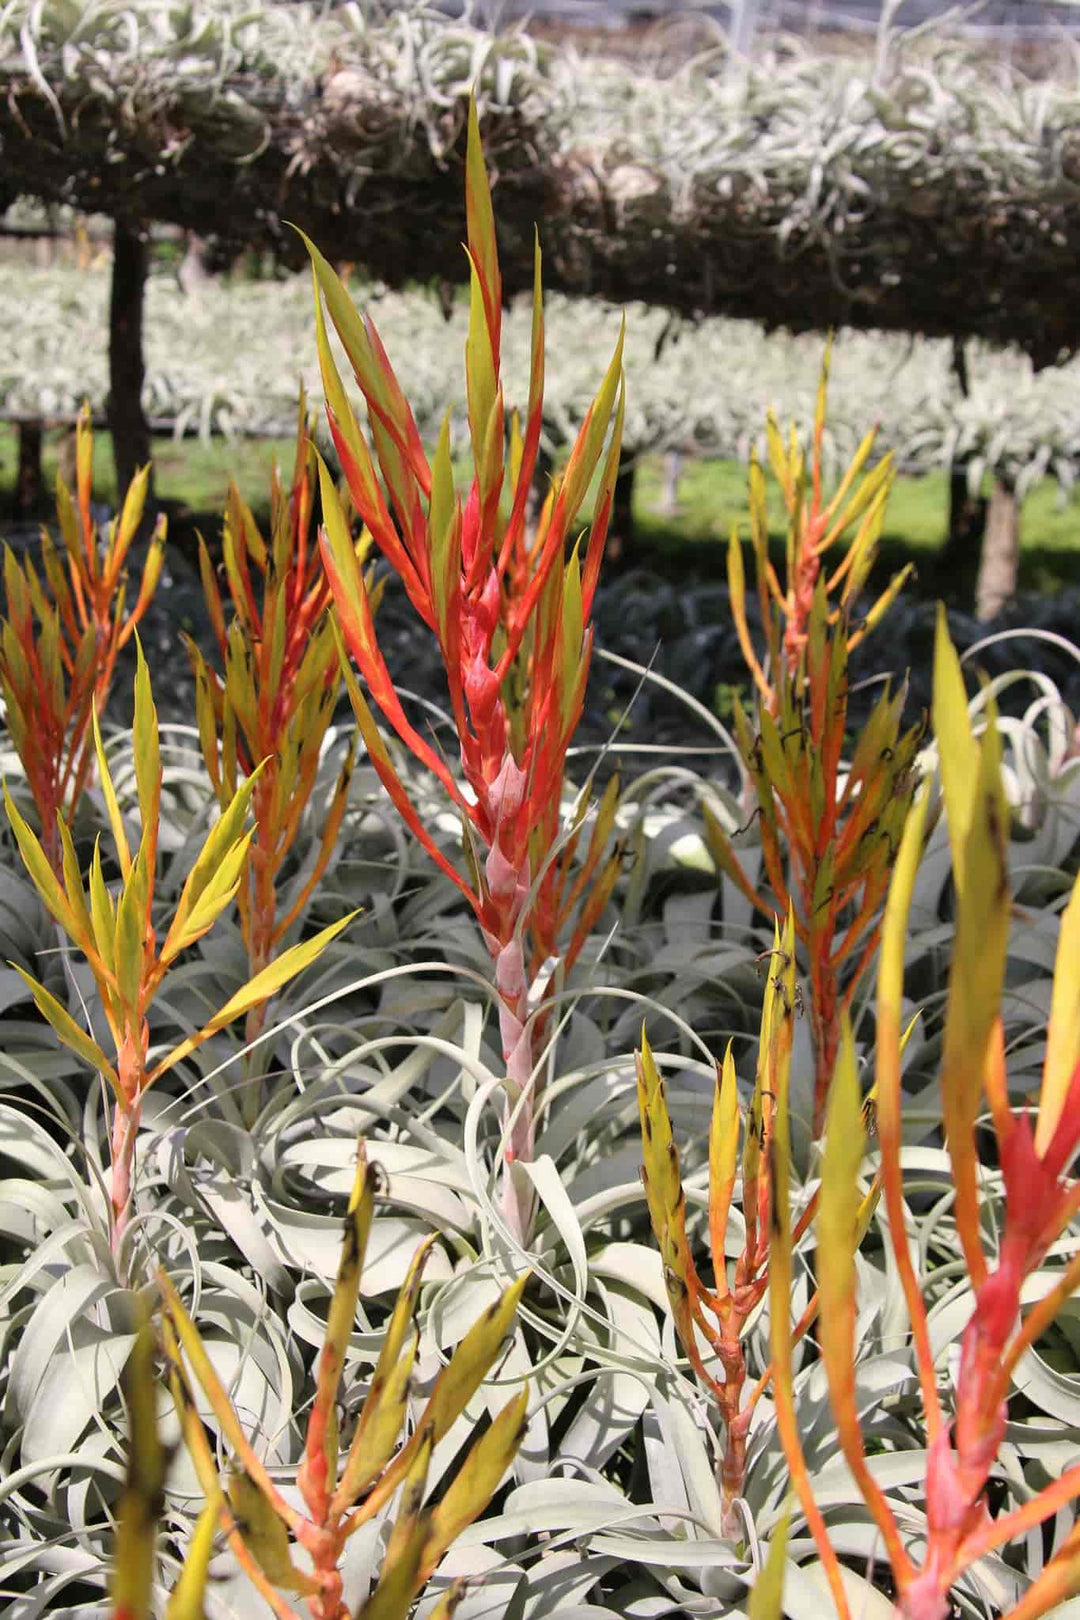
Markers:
{"x": 125, "y": 1127}
{"x": 518, "y": 1118}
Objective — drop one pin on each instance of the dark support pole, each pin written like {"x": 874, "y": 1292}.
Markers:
{"x": 959, "y": 556}
{"x": 128, "y": 425}
{"x": 29, "y": 483}
{"x": 621, "y": 530}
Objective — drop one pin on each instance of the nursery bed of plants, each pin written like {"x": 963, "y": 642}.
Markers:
{"x": 443, "y": 1173}
{"x": 227, "y": 358}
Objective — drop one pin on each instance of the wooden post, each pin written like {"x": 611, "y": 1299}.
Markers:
{"x": 620, "y": 543}
{"x": 127, "y": 423}
{"x": 999, "y": 565}
{"x": 29, "y": 484}
{"x": 958, "y": 559}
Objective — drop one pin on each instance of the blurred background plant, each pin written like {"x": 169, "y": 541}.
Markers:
{"x": 60, "y": 639}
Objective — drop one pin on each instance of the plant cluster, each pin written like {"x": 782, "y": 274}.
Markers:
{"x": 380, "y": 1328}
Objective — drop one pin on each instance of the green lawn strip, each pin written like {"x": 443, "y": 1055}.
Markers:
{"x": 711, "y": 496}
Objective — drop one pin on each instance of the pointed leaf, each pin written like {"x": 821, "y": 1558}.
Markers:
{"x": 142, "y": 1497}
{"x": 258, "y": 989}
{"x": 116, "y": 821}
{"x": 131, "y": 915}
{"x": 767, "y": 1593}
{"x": 73, "y": 888}
{"x": 723, "y": 1159}
{"x": 45, "y": 880}
{"x": 476, "y": 1481}
{"x": 70, "y": 1033}
{"x": 318, "y": 1472}
{"x": 102, "y": 914}
{"x": 224, "y": 834}
{"x": 147, "y": 750}
{"x": 266, "y": 1537}
{"x": 190, "y": 1341}
{"x": 400, "y": 1578}
{"x": 457, "y": 1383}
{"x": 837, "y": 1223}
{"x": 957, "y": 749}
{"x": 1063, "y": 1032}
{"x": 383, "y": 1411}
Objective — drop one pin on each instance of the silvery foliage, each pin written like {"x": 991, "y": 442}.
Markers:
{"x": 229, "y": 357}
{"x": 240, "y": 61}
{"x": 613, "y": 1507}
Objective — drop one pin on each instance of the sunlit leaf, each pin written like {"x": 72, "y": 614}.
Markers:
{"x": 186, "y": 1601}
{"x": 766, "y": 1601}
{"x": 69, "y": 1032}
{"x": 476, "y": 1481}
{"x": 259, "y": 989}
{"x": 1063, "y": 1030}
{"x": 142, "y": 1499}
{"x": 147, "y": 751}
{"x": 36, "y": 863}
{"x": 116, "y": 820}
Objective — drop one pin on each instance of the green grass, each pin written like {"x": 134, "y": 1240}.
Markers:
{"x": 712, "y": 496}
{"x": 194, "y": 478}
{"x": 187, "y": 471}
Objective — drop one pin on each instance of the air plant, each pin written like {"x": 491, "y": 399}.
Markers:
{"x": 274, "y": 704}
{"x": 965, "y": 1426}
{"x": 510, "y": 615}
{"x": 119, "y": 940}
{"x": 341, "y": 1494}
{"x": 720, "y": 1313}
{"x": 60, "y": 639}
{"x": 829, "y": 827}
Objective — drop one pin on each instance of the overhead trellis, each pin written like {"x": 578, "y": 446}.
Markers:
{"x": 925, "y": 188}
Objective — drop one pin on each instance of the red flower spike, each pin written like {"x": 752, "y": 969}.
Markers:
{"x": 510, "y": 622}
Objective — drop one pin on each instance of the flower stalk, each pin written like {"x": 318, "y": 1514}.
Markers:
{"x": 340, "y": 1494}
{"x": 509, "y": 612}
{"x": 1039, "y": 1199}
{"x": 828, "y": 827}
{"x": 720, "y": 1313}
